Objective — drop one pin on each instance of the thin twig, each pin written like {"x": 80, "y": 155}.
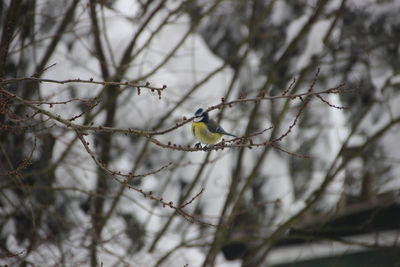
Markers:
{"x": 170, "y": 204}
{"x": 90, "y": 81}
{"x": 67, "y": 123}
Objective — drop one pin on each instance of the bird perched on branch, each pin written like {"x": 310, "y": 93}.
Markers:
{"x": 206, "y": 130}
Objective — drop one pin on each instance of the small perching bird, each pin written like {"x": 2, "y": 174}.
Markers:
{"x": 206, "y": 130}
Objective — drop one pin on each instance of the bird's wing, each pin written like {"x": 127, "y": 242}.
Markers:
{"x": 213, "y": 127}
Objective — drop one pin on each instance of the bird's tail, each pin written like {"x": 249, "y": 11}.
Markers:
{"x": 230, "y": 134}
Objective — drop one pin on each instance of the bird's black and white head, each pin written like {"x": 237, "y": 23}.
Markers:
{"x": 200, "y": 115}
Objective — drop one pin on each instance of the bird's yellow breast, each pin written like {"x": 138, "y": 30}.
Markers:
{"x": 202, "y": 133}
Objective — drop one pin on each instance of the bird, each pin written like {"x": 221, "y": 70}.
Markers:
{"x": 206, "y": 130}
